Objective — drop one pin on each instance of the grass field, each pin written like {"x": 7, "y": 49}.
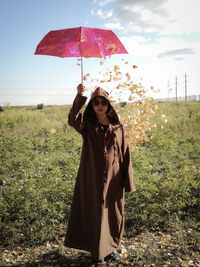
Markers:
{"x": 40, "y": 157}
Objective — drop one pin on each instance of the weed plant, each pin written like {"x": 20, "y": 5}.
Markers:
{"x": 167, "y": 174}
{"x": 39, "y": 160}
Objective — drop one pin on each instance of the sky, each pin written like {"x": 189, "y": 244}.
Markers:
{"x": 162, "y": 38}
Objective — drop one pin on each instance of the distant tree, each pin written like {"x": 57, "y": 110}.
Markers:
{"x": 40, "y": 106}
{"x": 1, "y": 109}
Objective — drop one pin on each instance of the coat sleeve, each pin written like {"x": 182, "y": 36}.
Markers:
{"x": 127, "y": 169}
{"x": 75, "y": 117}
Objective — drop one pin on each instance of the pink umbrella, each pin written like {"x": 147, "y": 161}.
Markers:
{"x": 80, "y": 42}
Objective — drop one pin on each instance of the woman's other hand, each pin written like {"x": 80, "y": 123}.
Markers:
{"x": 81, "y": 89}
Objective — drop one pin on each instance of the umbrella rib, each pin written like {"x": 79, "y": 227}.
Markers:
{"x": 81, "y": 69}
{"x": 81, "y": 59}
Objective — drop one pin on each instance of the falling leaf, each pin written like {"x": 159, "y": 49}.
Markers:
{"x": 53, "y": 131}
{"x": 128, "y": 76}
{"x": 142, "y": 108}
{"x": 116, "y": 68}
{"x": 116, "y": 79}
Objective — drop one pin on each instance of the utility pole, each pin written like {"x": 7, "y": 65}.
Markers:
{"x": 185, "y": 87}
{"x": 176, "y": 88}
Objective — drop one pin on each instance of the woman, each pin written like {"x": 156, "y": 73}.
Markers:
{"x": 105, "y": 173}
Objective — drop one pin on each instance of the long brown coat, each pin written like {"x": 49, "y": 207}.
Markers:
{"x": 105, "y": 172}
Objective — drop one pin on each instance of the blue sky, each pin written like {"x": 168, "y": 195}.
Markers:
{"x": 161, "y": 36}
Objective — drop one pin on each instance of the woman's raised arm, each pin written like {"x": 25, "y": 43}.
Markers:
{"x": 75, "y": 117}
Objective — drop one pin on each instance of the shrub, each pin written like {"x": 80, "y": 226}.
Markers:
{"x": 38, "y": 169}
{"x": 167, "y": 173}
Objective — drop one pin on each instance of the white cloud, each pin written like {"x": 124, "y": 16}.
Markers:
{"x": 183, "y": 16}
{"x": 103, "y": 3}
{"x": 173, "y": 49}
{"x": 140, "y": 47}
{"x": 177, "y": 52}
{"x": 116, "y": 26}
{"x": 163, "y": 16}
{"x": 102, "y": 14}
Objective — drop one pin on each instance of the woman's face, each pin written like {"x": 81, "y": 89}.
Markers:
{"x": 100, "y": 105}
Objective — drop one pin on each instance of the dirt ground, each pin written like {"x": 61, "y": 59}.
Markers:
{"x": 159, "y": 249}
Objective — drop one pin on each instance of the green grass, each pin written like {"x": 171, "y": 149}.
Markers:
{"x": 38, "y": 169}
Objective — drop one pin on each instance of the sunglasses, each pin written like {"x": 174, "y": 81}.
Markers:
{"x": 103, "y": 102}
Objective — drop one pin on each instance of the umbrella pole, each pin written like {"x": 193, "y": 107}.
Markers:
{"x": 81, "y": 69}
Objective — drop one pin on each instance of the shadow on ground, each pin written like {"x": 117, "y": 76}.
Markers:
{"x": 52, "y": 259}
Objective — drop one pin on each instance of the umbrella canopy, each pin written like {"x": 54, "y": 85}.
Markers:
{"x": 80, "y": 42}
